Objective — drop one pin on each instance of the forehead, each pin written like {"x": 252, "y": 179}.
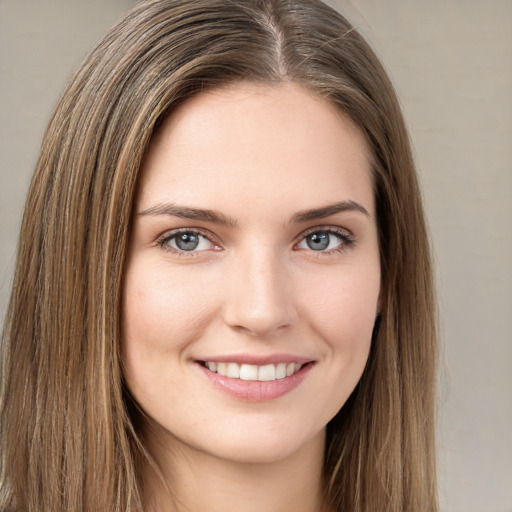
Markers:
{"x": 256, "y": 142}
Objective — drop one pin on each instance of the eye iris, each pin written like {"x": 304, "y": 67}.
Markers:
{"x": 187, "y": 241}
{"x": 318, "y": 241}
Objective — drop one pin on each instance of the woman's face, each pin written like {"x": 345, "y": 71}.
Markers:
{"x": 253, "y": 274}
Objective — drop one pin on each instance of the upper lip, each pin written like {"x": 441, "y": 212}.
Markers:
{"x": 257, "y": 360}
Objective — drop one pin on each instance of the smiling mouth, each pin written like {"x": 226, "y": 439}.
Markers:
{"x": 252, "y": 372}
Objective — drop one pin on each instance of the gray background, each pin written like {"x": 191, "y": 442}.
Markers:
{"x": 451, "y": 62}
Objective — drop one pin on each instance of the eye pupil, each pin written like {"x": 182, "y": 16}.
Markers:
{"x": 187, "y": 241}
{"x": 318, "y": 241}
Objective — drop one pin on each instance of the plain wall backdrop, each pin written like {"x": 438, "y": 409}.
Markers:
{"x": 451, "y": 61}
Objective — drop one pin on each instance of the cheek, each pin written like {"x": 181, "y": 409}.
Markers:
{"x": 343, "y": 305}
{"x": 342, "y": 314}
{"x": 161, "y": 315}
{"x": 161, "y": 310}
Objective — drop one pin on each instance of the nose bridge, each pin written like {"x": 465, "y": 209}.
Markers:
{"x": 259, "y": 301}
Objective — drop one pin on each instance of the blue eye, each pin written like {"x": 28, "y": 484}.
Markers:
{"x": 187, "y": 241}
{"x": 325, "y": 241}
{"x": 318, "y": 241}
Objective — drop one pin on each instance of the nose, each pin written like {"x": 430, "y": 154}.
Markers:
{"x": 259, "y": 300}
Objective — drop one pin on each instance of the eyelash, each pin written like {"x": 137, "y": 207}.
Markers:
{"x": 167, "y": 237}
{"x": 345, "y": 238}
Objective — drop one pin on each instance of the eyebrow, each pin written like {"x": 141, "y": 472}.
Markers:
{"x": 189, "y": 212}
{"x": 326, "y": 211}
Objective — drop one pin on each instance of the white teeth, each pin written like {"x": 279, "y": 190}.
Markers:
{"x": 233, "y": 371}
{"x": 280, "y": 371}
{"x": 266, "y": 372}
{"x": 248, "y": 372}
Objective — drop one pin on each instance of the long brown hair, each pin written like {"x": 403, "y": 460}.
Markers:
{"x": 68, "y": 439}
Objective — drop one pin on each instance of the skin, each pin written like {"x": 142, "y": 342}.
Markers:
{"x": 258, "y": 156}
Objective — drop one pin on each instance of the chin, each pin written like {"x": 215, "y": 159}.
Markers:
{"x": 261, "y": 446}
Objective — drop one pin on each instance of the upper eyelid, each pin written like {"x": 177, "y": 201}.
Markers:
{"x": 200, "y": 231}
{"x": 214, "y": 239}
{"x": 345, "y": 236}
{"x": 332, "y": 229}
{"x": 169, "y": 235}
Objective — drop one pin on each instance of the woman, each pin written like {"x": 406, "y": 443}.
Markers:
{"x": 223, "y": 295}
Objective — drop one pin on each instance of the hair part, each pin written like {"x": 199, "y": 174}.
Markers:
{"x": 69, "y": 434}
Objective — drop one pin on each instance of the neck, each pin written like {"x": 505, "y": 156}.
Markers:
{"x": 195, "y": 481}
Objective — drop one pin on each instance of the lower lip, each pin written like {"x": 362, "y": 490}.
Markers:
{"x": 255, "y": 390}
